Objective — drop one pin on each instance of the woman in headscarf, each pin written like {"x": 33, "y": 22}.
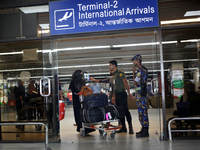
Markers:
{"x": 77, "y": 82}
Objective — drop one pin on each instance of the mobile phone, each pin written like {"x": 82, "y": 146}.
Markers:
{"x": 86, "y": 76}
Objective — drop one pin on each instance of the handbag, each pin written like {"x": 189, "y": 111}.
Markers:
{"x": 86, "y": 90}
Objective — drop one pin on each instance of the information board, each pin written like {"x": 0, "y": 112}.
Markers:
{"x": 79, "y": 16}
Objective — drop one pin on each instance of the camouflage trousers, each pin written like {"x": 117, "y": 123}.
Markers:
{"x": 142, "y": 110}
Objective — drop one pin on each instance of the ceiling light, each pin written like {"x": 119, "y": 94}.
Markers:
{"x": 181, "y": 21}
{"x": 144, "y": 44}
{"x": 83, "y": 48}
{"x": 192, "y": 13}
{"x": 26, "y": 69}
{"x": 44, "y": 31}
{"x": 180, "y": 60}
{"x": 34, "y": 9}
{"x": 138, "y": 44}
{"x": 11, "y": 53}
{"x": 91, "y": 47}
{"x": 44, "y": 26}
{"x": 169, "y": 42}
{"x": 191, "y": 40}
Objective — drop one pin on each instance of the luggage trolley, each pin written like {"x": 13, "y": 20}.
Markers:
{"x": 105, "y": 124}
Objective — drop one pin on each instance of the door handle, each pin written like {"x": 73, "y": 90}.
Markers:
{"x": 48, "y": 85}
{"x": 154, "y": 86}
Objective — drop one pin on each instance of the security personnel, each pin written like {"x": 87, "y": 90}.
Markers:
{"x": 120, "y": 95}
{"x": 140, "y": 81}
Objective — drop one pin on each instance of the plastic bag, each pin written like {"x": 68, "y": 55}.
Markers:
{"x": 61, "y": 110}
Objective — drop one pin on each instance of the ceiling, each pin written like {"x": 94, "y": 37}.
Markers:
{"x": 96, "y": 59}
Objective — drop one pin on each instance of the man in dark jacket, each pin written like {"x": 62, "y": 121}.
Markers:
{"x": 19, "y": 95}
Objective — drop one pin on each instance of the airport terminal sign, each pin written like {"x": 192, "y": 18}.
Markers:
{"x": 78, "y": 16}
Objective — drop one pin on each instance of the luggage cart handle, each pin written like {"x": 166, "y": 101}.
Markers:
{"x": 49, "y": 87}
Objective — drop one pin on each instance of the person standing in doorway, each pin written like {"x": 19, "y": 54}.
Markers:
{"x": 140, "y": 81}
{"x": 120, "y": 95}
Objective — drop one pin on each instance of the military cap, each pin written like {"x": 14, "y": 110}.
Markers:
{"x": 137, "y": 57}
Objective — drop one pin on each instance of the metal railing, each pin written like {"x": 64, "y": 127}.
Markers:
{"x": 183, "y": 118}
{"x": 32, "y": 123}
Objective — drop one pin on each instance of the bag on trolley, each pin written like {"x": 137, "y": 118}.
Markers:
{"x": 90, "y": 115}
{"x": 95, "y": 100}
{"x": 113, "y": 112}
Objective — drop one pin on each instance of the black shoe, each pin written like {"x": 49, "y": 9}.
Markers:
{"x": 144, "y": 133}
{"x": 131, "y": 131}
{"x": 140, "y": 131}
{"x": 122, "y": 130}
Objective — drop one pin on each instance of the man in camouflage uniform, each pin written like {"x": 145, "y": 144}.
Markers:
{"x": 120, "y": 96}
{"x": 140, "y": 81}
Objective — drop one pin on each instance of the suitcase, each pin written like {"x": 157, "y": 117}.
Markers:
{"x": 115, "y": 112}
{"x": 95, "y": 100}
{"x": 90, "y": 115}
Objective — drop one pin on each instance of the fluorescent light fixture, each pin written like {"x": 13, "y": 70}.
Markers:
{"x": 44, "y": 31}
{"x": 98, "y": 65}
{"x": 83, "y": 48}
{"x": 79, "y": 66}
{"x": 181, "y": 21}
{"x": 144, "y": 44}
{"x": 138, "y": 44}
{"x": 47, "y": 51}
{"x": 169, "y": 42}
{"x": 191, "y": 40}
{"x": 67, "y": 75}
{"x": 12, "y": 53}
{"x": 91, "y": 47}
{"x": 191, "y": 68}
{"x": 64, "y": 79}
{"x": 192, "y": 13}
{"x": 99, "y": 73}
{"x": 180, "y": 60}
{"x": 95, "y": 58}
{"x": 50, "y": 68}
{"x": 26, "y": 69}
{"x": 34, "y": 9}
{"x": 44, "y": 26}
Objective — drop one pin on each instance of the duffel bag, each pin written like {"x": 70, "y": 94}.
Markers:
{"x": 90, "y": 115}
{"x": 95, "y": 100}
{"x": 113, "y": 112}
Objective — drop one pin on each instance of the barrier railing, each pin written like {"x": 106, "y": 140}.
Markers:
{"x": 182, "y": 118}
{"x": 31, "y": 123}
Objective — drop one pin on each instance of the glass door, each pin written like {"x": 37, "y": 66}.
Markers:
{"x": 92, "y": 52}
{"x": 51, "y": 101}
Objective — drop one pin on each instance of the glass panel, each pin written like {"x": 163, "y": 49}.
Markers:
{"x": 181, "y": 62}
{"x": 92, "y": 54}
{"x": 155, "y": 95}
{"x": 20, "y": 101}
{"x": 51, "y": 102}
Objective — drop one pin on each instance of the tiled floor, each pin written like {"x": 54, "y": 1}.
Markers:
{"x": 71, "y": 140}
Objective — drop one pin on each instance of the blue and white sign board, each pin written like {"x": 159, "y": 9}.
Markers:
{"x": 78, "y": 16}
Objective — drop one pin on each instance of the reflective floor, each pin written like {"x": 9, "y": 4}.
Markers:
{"x": 71, "y": 140}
